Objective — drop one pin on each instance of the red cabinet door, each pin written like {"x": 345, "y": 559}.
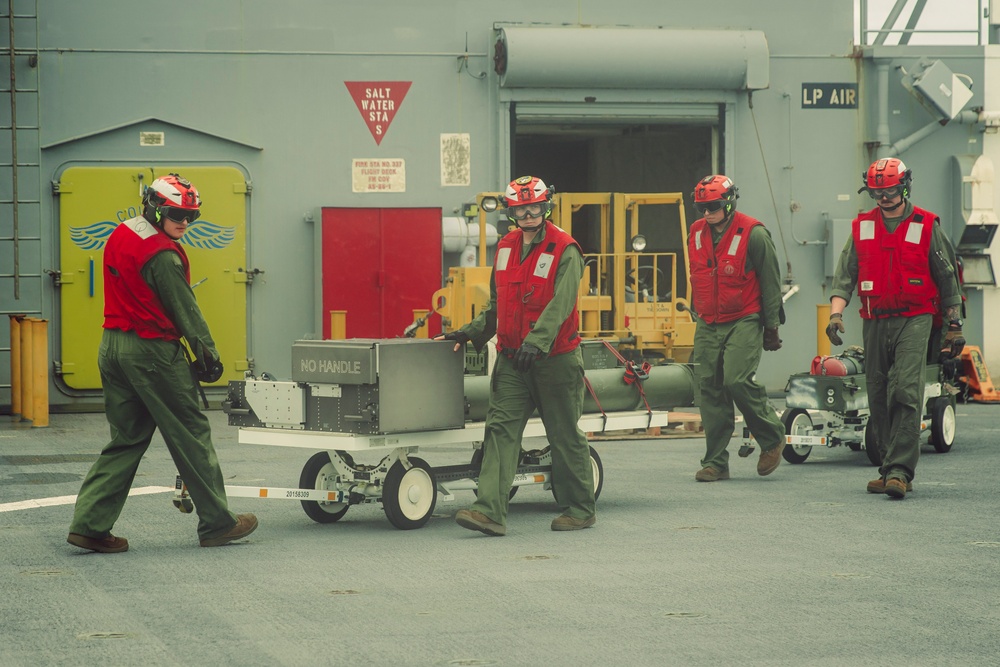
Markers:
{"x": 380, "y": 265}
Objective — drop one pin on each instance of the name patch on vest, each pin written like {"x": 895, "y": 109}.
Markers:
{"x": 914, "y": 232}
{"x": 867, "y": 285}
{"x": 867, "y": 230}
{"x": 503, "y": 255}
{"x": 697, "y": 241}
{"x": 544, "y": 265}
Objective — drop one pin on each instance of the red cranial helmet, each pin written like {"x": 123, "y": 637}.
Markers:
{"x": 172, "y": 197}
{"x": 527, "y": 190}
{"x": 715, "y": 192}
{"x": 527, "y": 196}
{"x": 887, "y": 174}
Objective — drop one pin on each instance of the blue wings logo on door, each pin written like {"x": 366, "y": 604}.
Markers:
{"x": 208, "y": 235}
{"x": 92, "y": 237}
{"x": 200, "y": 234}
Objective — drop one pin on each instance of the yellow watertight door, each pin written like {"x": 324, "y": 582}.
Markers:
{"x": 92, "y": 202}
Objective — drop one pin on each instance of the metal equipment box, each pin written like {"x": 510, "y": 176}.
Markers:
{"x": 377, "y": 386}
{"x": 597, "y": 356}
{"x": 827, "y": 392}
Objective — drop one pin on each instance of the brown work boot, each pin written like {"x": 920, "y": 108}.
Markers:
{"x": 709, "y": 474}
{"x": 563, "y": 522}
{"x": 474, "y": 520}
{"x": 769, "y": 460}
{"x": 104, "y": 545}
{"x": 245, "y": 524}
{"x": 878, "y": 486}
{"x": 895, "y": 488}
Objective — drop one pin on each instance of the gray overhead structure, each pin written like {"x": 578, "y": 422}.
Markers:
{"x": 277, "y": 111}
{"x": 575, "y": 57}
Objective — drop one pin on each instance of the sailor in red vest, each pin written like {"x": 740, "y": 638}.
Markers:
{"x": 147, "y": 380}
{"x": 736, "y": 293}
{"x": 898, "y": 258}
{"x": 532, "y": 310}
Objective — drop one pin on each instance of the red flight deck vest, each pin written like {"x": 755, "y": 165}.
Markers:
{"x": 129, "y": 302}
{"x": 894, "y": 275}
{"x": 722, "y": 290}
{"x": 524, "y": 289}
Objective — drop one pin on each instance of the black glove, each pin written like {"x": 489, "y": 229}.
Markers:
{"x": 954, "y": 341}
{"x": 771, "y": 341}
{"x": 525, "y": 357}
{"x": 459, "y": 337}
{"x": 836, "y": 325}
{"x": 212, "y": 373}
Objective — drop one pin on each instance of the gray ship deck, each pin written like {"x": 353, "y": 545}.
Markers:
{"x": 799, "y": 568}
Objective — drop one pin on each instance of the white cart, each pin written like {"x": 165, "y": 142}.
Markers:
{"x": 332, "y": 481}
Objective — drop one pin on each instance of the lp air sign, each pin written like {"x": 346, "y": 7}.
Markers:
{"x": 378, "y": 102}
{"x": 829, "y": 96}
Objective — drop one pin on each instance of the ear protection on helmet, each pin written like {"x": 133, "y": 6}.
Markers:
{"x": 151, "y": 207}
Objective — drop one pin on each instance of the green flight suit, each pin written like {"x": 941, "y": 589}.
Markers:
{"x": 726, "y": 357}
{"x": 896, "y": 354}
{"x": 148, "y": 385}
{"x": 554, "y": 385}
{"x": 895, "y": 357}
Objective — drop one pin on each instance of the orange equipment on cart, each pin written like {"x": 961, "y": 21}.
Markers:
{"x": 975, "y": 378}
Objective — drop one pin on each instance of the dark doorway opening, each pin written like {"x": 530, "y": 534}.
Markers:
{"x": 628, "y": 158}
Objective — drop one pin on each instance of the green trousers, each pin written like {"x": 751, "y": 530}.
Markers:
{"x": 148, "y": 385}
{"x": 553, "y": 385}
{"x": 895, "y": 358}
{"x": 726, "y": 359}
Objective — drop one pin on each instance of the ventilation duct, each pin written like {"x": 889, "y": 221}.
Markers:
{"x": 530, "y": 57}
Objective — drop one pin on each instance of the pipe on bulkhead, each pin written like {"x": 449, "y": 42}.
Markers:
{"x": 459, "y": 235}
{"x": 887, "y": 148}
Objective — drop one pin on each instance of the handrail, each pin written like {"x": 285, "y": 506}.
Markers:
{"x": 917, "y": 9}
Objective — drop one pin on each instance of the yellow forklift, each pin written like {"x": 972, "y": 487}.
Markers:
{"x": 629, "y": 296}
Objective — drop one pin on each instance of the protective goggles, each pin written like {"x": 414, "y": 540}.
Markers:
{"x": 888, "y": 193}
{"x": 709, "y": 206}
{"x": 526, "y": 211}
{"x": 178, "y": 214}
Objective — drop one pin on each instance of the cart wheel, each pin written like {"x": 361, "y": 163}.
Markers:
{"x": 477, "y": 461}
{"x": 318, "y": 473}
{"x": 595, "y": 462}
{"x": 409, "y": 496}
{"x": 942, "y": 424}
{"x": 797, "y": 422}
{"x": 598, "y": 467}
{"x": 871, "y": 446}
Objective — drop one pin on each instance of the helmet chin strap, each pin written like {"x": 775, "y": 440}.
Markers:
{"x": 892, "y": 208}
{"x": 530, "y": 229}
{"x": 725, "y": 219}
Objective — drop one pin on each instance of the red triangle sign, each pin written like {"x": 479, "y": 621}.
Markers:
{"x": 378, "y": 102}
